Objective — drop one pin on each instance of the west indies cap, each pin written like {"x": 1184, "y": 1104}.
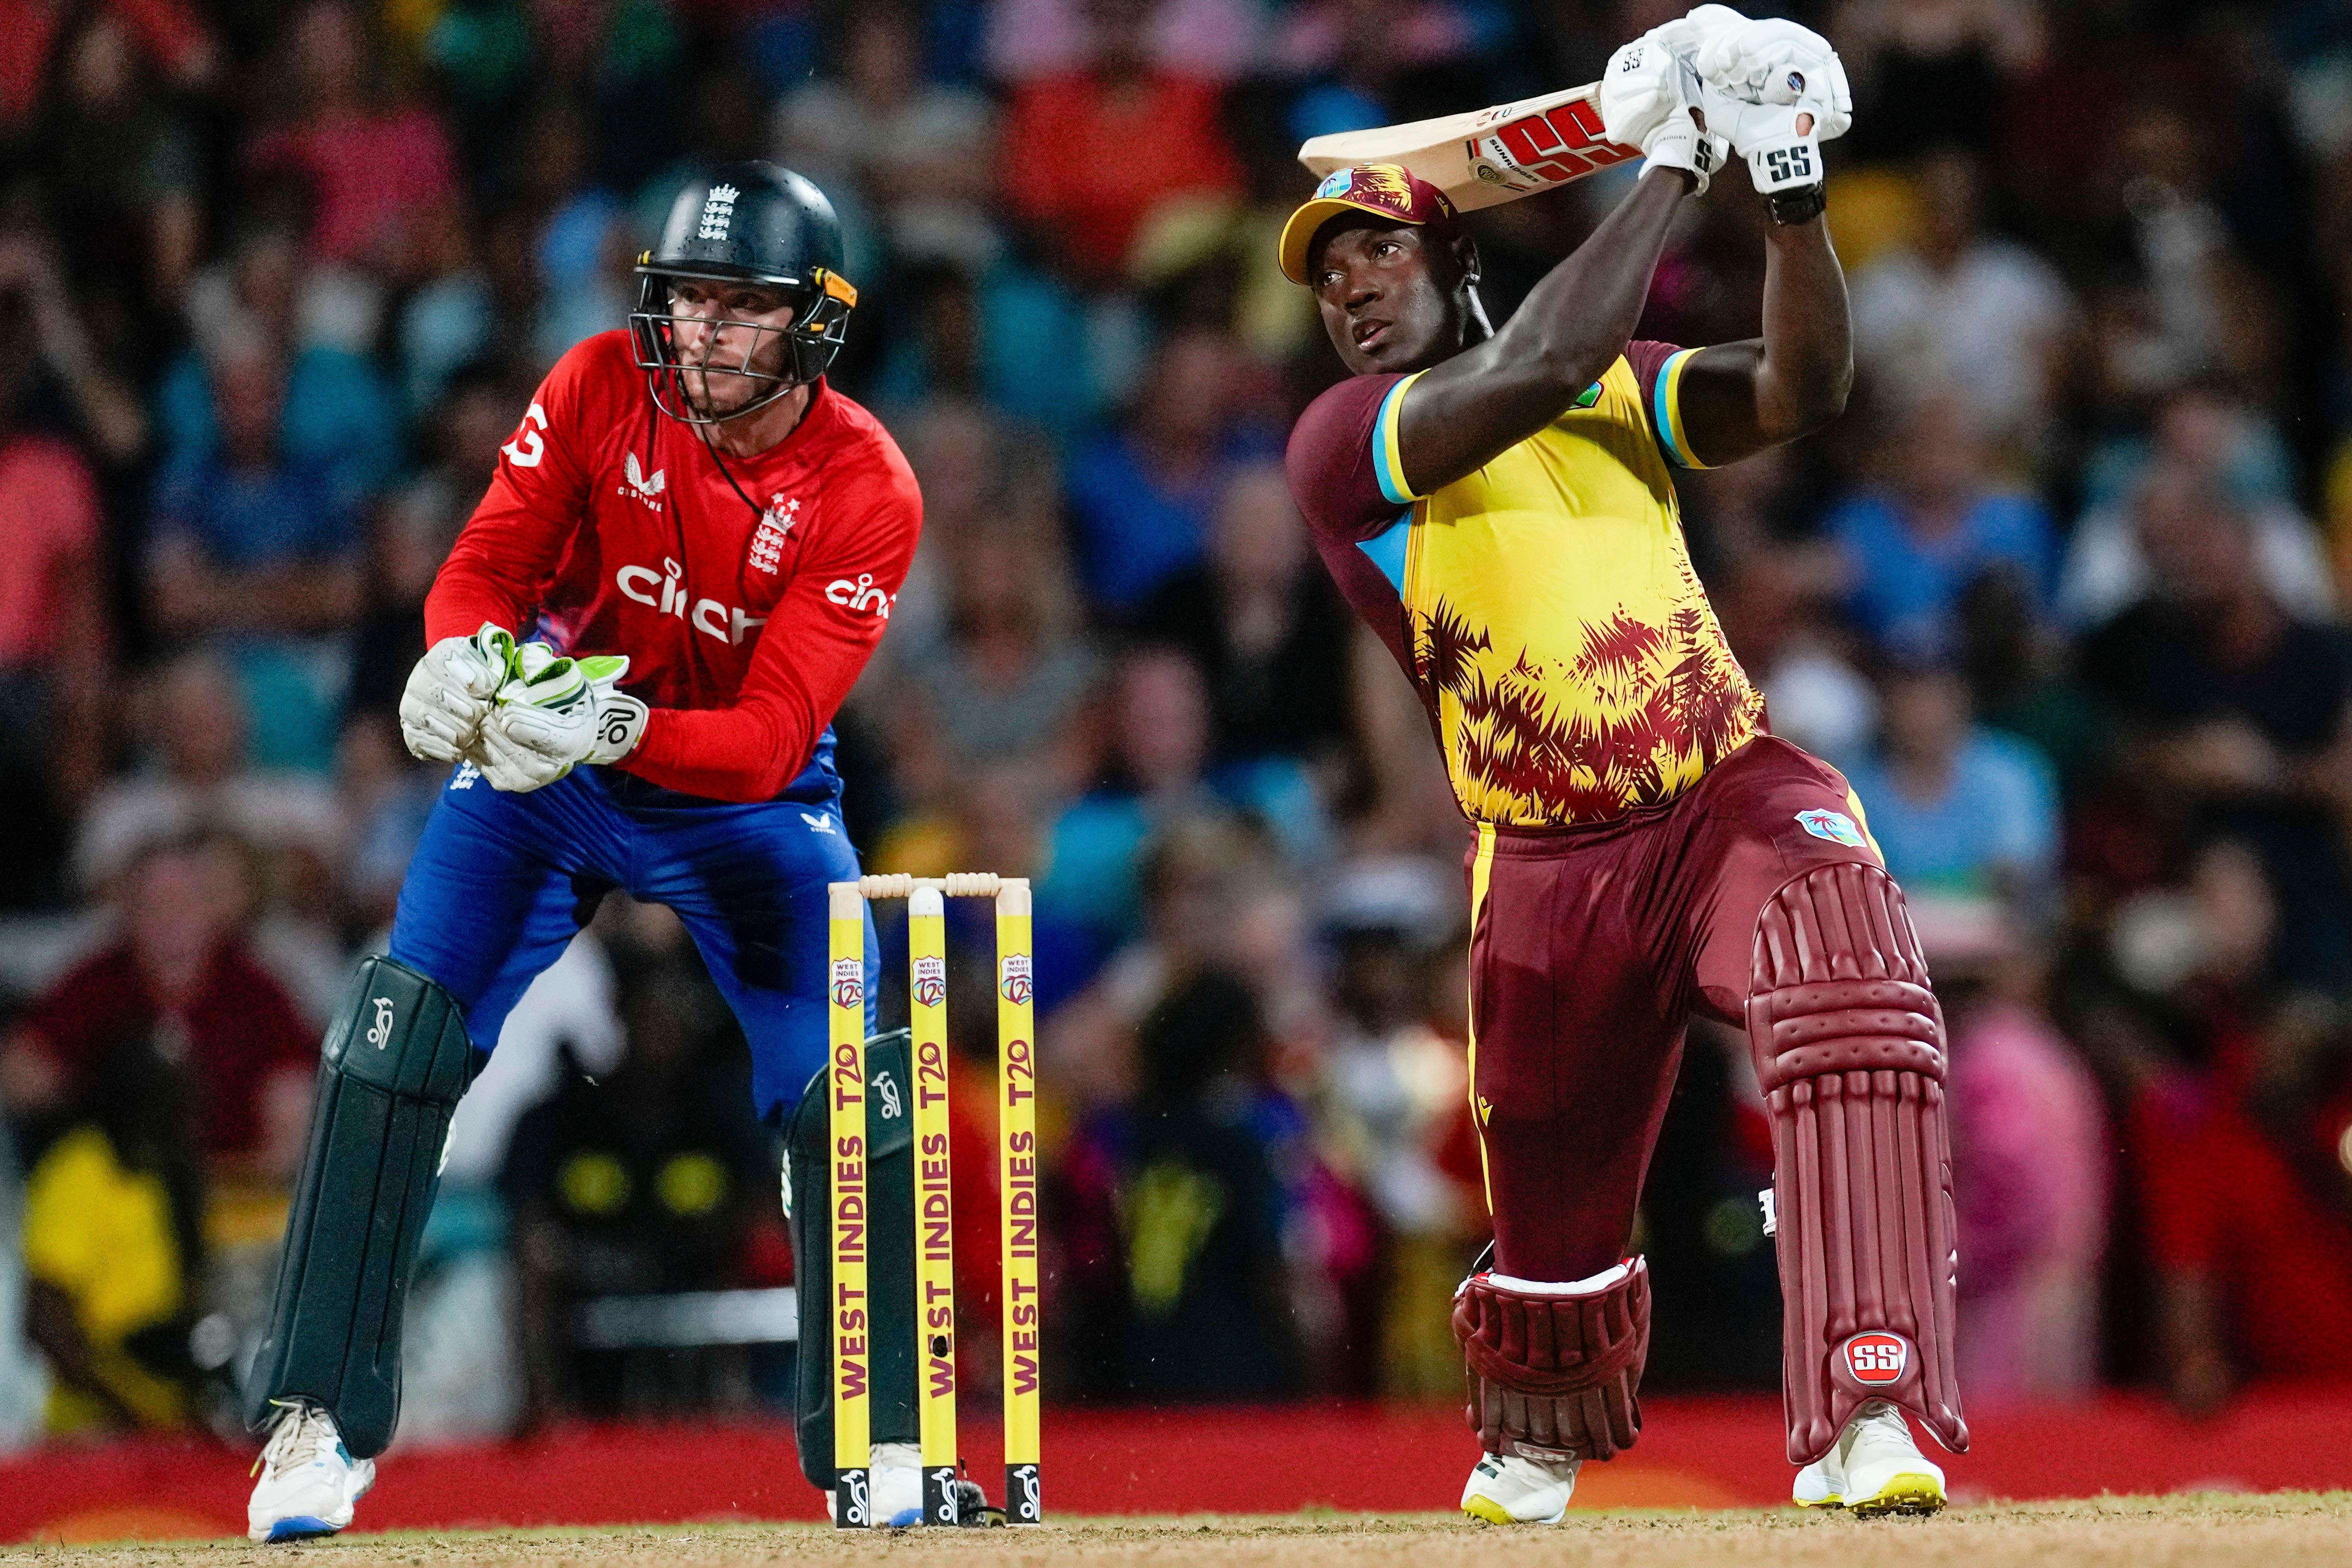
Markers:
{"x": 1383, "y": 190}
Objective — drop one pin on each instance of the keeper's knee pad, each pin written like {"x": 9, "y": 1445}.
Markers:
{"x": 1555, "y": 1369}
{"x": 889, "y": 1256}
{"x": 391, "y": 1071}
{"x": 1849, "y": 1048}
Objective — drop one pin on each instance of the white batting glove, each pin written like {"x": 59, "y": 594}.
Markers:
{"x": 1774, "y": 61}
{"x": 450, "y": 692}
{"x": 544, "y": 723}
{"x": 1647, "y": 100}
{"x": 1639, "y": 90}
{"x": 1781, "y": 157}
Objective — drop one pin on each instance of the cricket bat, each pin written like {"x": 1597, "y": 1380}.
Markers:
{"x": 1486, "y": 156}
{"x": 1489, "y": 156}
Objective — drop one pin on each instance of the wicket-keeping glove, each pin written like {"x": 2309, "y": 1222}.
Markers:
{"x": 545, "y": 720}
{"x": 450, "y": 692}
{"x": 620, "y": 717}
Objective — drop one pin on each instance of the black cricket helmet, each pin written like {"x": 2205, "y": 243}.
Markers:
{"x": 750, "y": 223}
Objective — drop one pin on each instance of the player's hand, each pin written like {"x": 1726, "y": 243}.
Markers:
{"x": 1779, "y": 91}
{"x": 1650, "y": 99}
{"x": 620, "y": 717}
{"x": 1702, "y": 26}
{"x": 544, "y": 723}
{"x": 1778, "y": 141}
{"x": 450, "y": 691}
{"x": 1773, "y": 61}
{"x": 1640, "y": 89}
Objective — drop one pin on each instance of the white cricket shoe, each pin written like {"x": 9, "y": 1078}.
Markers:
{"x": 1511, "y": 1488}
{"x": 1874, "y": 1468}
{"x": 894, "y": 1482}
{"x": 309, "y": 1482}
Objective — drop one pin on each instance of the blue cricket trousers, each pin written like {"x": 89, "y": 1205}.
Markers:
{"x": 501, "y": 883}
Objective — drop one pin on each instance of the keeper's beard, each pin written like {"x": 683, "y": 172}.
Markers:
{"x": 698, "y": 381}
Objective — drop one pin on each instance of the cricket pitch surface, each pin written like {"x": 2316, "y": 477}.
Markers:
{"x": 2281, "y": 1530}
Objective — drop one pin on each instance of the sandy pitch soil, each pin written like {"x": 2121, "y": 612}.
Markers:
{"x": 2282, "y": 1530}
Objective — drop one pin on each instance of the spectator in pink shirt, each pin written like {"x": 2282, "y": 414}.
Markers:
{"x": 50, "y": 566}
{"x": 2029, "y": 1163}
{"x": 369, "y": 163}
{"x": 53, "y": 642}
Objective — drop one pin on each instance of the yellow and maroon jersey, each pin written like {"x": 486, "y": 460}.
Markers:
{"x": 1545, "y": 605}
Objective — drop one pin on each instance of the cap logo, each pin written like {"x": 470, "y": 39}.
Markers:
{"x": 1386, "y": 184}
{"x": 1385, "y": 190}
{"x": 718, "y": 212}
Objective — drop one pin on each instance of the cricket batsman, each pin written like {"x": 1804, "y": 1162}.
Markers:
{"x": 685, "y": 555}
{"x": 1499, "y": 507}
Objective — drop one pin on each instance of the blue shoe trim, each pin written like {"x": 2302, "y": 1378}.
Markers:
{"x": 904, "y": 1518}
{"x": 300, "y": 1527}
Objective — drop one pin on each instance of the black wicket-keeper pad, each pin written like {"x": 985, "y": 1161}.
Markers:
{"x": 889, "y": 1255}
{"x": 395, "y": 1064}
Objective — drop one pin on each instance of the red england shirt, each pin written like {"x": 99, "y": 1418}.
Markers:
{"x": 609, "y": 528}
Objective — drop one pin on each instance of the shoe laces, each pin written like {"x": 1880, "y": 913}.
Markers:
{"x": 294, "y": 1441}
{"x": 1877, "y": 1417}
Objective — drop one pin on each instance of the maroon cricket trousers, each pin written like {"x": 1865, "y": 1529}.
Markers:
{"x": 1590, "y": 948}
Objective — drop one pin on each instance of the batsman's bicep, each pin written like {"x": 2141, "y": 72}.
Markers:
{"x": 1464, "y": 413}
{"x": 1715, "y": 402}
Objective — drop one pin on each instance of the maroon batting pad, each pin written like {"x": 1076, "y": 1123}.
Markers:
{"x": 1849, "y": 1047}
{"x": 1554, "y": 1368}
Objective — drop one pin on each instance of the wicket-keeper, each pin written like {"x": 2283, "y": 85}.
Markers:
{"x": 685, "y": 555}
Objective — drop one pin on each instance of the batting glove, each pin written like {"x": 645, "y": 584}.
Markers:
{"x": 450, "y": 692}
{"x": 544, "y": 723}
{"x": 1782, "y": 159}
{"x": 1649, "y": 96}
{"x": 1774, "y": 61}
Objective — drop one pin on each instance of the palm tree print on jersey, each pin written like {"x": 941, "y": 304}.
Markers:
{"x": 1634, "y": 719}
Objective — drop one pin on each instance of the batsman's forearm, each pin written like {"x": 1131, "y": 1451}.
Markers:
{"x": 1808, "y": 361}
{"x": 1578, "y": 318}
{"x": 1563, "y": 337}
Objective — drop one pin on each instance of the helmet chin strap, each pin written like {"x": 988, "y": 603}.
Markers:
{"x": 701, "y": 418}
{"x": 1481, "y": 328}
{"x": 728, "y": 474}
{"x": 703, "y": 427}
{"x": 782, "y": 390}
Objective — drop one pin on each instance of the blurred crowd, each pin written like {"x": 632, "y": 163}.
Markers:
{"x": 2062, "y": 594}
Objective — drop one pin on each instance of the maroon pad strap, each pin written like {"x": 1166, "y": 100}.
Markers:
{"x": 1553, "y": 1372}
{"x": 1849, "y": 1047}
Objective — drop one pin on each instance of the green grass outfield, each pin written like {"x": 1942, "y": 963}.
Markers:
{"x": 2283, "y": 1530}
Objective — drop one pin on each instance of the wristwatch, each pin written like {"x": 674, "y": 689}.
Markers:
{"x": 1799, "y": 206}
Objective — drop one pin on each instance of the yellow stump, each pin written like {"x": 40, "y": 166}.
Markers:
{"x": 851, "y": 1318}
{"x": 1017, "y": 1117}
{"x": 935, "y": 1359}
